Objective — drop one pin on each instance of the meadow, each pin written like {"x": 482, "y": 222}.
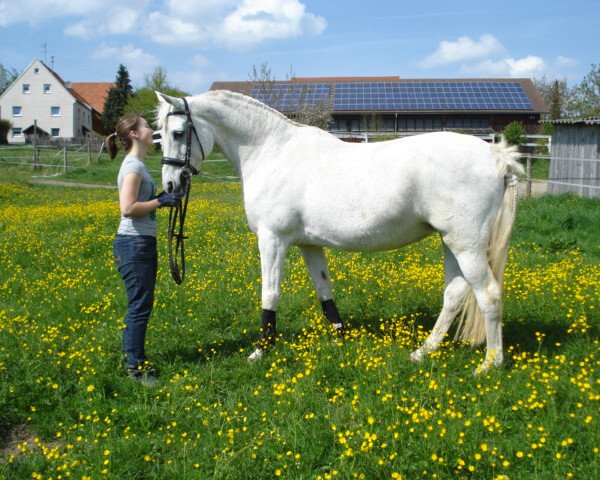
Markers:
{"x": 315, "y": 407}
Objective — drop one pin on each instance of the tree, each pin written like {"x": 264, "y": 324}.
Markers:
{"x": 588, "y": 94}
{"x": 558, "y": 93}
{"x": 303, "y": 109}
{"x": 144, "y": 101}
{"x": 7, "y": 77}
{"x": 117, "y": 98}
{"x": 555, "y": 100}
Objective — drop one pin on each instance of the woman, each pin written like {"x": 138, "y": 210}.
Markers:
{"x": 134, "y": 246}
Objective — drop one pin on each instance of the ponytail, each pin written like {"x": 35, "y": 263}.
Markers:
{"x": 111, "y": 145}
{"x": 125, "y": 125}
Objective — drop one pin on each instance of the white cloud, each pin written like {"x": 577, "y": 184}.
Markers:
{"x": 257, "y": 20}
{"x": 530, "y": 66}
{"x": 487, "y": 57}
{"x": 565, "y": 62}
{"x": 463, "y": 49}
{"x": 230, "y": 23}
{"x": 138, "y": 62}
{"x": 91, "y": 15}
{"x": 235, "y": 24}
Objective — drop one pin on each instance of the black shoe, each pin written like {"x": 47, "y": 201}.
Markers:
{"x": 143, "y": 373}
{"x": 147, "y": 379}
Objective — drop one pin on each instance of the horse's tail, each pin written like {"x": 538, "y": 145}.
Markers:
{"x": 471, "y": 324}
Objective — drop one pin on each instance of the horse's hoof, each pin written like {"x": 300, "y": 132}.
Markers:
{"x": 257, "y": 354}
{"x": 416, "y": 356}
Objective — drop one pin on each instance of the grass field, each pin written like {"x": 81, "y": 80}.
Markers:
{"x": 313, "y": 408}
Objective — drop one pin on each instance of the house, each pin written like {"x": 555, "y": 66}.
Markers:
{"x": 575, "y": 157}
{"x": 40, "y": 103}
{"x": 405, "y": 106}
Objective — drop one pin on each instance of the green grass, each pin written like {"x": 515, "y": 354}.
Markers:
{"x": 313, "y": 408}
{"x": 101, "y": 171}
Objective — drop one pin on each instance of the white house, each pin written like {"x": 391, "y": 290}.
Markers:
{"x": 40, "y": 99}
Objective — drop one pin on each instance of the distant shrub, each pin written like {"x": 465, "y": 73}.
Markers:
{"x": 514, "y": 133}
{"x": 5, "y": 127}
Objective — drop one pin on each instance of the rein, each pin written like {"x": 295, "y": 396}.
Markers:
{"x": 176, "y": 237}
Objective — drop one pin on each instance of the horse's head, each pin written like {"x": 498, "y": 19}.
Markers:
{"x": 186, "y": 141}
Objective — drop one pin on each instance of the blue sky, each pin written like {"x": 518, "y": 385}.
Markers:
{"x": 202, "y": 41}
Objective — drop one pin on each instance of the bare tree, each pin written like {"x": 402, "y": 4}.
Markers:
{"x": 290, "y": 97}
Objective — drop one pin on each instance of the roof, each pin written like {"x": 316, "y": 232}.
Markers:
{"x": 469, "y": 95}
{"x": 31, "y": 128}
{"x": 94, "y": 93}
{"x": 575, "y": 121}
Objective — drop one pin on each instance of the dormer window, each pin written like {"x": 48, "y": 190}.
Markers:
{"x": 26, "y": 88}
{"x": 47, "y": 88}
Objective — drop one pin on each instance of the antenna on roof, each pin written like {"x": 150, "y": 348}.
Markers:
{"x": 45, "y": 47}
{"x": 52, "y": 62}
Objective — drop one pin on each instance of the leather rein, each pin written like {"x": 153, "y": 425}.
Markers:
{"x": 177, "y": 213}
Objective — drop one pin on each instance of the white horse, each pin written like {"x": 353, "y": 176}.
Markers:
{"x": 302, "y": 186}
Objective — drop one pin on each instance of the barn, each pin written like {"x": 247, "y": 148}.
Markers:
{"x": 575, "y": 157}
{"x": 391, "y": 105}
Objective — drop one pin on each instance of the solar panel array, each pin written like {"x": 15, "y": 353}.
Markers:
{"x": 287, "y": 97}
{"x": 397, "y": 96}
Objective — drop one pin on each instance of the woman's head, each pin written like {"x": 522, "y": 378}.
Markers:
{"x": 125, "y": 125}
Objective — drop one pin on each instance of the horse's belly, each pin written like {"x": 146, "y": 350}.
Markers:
{"x": 365, "y": 236}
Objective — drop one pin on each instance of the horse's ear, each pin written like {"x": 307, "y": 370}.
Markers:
{"x": 176, "y": 102}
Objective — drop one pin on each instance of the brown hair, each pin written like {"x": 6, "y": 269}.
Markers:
{"x": 125, "y": 125}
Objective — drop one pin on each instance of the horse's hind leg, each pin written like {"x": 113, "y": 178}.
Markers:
{"x": 477, "y": 272}
{"x": 316, "y": 263}
{"x": 272, "y": 254}
{"x": 456, "y": 288}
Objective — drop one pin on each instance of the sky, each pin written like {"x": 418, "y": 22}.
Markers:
{"x": 198, "y": 42}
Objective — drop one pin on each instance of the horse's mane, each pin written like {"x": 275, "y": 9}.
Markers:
{"x": 164, "y": 108}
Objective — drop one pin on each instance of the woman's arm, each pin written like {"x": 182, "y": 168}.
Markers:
{"x": 130, "y": 206}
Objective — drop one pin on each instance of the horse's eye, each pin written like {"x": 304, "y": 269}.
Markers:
{"x": 177, "y": 134}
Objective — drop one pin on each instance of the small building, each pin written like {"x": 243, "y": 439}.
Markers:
{"x": 575, "y": 157}
{"x": 405, "y": 106}
{"x": 40, "y": 103}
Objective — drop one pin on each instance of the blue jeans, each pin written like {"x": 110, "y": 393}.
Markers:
{"x": 136, "y": 259}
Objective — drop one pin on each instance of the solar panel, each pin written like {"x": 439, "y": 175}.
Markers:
{"x": 288, "y": 97}
{"x": 391, "y": 96}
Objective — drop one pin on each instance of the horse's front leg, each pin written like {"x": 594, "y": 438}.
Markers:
{"x": 272, "y": 253}
{"x": 316, "y": 263}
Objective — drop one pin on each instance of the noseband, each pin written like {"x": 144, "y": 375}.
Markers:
{"x": 177, "y": 213}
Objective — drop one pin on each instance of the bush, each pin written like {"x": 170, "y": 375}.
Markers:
{"x": 514, "y": 133}
{"x": 5, "y": 127}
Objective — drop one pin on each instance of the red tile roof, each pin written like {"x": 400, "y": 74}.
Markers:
{"x": 93, "y": 93}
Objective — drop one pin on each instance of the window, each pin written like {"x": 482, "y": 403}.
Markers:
{"x": 55, "y": 111}
{"x": 17, "y": 132}
{"x": 36, "y": 70}
{"x": 47, "y": 88}
{"x": 55, "y": 132}
{"x": 26, "y": 88}
{"x": 17, "y": 112}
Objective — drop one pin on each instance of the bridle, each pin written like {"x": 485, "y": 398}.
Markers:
{"x": 177, "y": 213}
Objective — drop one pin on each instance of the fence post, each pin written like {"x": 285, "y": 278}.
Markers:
{"x": 528, "y": 186}
{"x": 89, "y": 151}
{"x": 65, "y": 158}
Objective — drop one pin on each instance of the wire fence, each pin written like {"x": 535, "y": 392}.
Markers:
{"x": 563, "y": 180}
{"x": 51, "y": 157}
{"x": 52, "y": 160}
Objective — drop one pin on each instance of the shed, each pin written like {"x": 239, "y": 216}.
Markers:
{"x": 575, "y": 157}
